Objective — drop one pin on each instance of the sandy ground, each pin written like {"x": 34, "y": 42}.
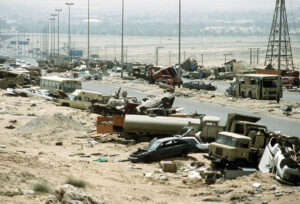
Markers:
{"x": 29, "y": 155}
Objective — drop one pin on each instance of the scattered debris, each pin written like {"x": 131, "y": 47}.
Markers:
{"x": 168, "y": 166}
{"x": 101, "y": 160}
{"x": 69, "y": 194}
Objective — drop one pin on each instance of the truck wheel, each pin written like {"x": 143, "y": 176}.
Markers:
{"x": 243, "y": 94}
{"x": 65, "y": 104}
{"x": 250, "y": 94}
{"x": 240, "y": 163}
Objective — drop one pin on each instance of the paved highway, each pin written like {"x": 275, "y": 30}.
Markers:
{"x": 285, "y": 125}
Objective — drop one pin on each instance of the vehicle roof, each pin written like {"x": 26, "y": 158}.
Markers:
{"x": 258, "y": 75}
{"x": 237, "y": 136}
{"x": 57, "y": 78}
{"x": 211, "y": 118}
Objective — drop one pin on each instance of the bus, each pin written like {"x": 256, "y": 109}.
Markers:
{"x": 257, "y": 86}
{"x": 54, "y": 83}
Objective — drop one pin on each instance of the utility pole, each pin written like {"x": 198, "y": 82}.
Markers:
{"x": 51, "y": 35}
{"x": 179, "y": 44}
{"x": 257, "y": 55}
{"x": 53, "y": 15}
{"x": 225, "y": 57}
{"x": 122, "y": 41}
{"x": 58, "y": 10}
{"x": 250, "y": 56}
{"x": 254, "y": 58}
{"x": 88, "y": 51}
{"x": 69, "y": 4}
{"x": 279, "y": 56}
{"x": 202, "y": 60}
{"x": 126, "y": 54}
{"x": 156, "y": 54}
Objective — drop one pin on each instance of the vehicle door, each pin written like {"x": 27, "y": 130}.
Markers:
{"x": 173, "y": 148}
{"x": 195, "y": 84}
{"x": 167, "y": 149}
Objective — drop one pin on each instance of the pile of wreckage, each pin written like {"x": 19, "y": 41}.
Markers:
{"x": 241, "y": 147}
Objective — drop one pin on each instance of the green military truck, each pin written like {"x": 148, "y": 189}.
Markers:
{"x": 235, "y": 150}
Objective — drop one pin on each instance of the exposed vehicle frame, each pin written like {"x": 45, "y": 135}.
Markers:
{"x": 54, "y": 83}
{"x": 256, "y": 86}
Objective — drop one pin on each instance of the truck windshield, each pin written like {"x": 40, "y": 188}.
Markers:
{"x": 230, "y": 141}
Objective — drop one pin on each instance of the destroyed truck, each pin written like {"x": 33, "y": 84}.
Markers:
{"x": 206, "y": 128}
{"x": 233, "y": 150}
{"x": 81, "y": 99}
{"x": 9, "y": 79}
{"x": 236, "y": 123}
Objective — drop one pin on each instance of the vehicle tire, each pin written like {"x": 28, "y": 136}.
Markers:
{"x": 148, "y": 159}
{"x": 65, "y": 104}
{"x": 243, "y": 94}
{"x": 240, "y": 163}
{"x": 250, "y": 94}
{"x": 185, "y": 153}
{"x": 23, "y": 94}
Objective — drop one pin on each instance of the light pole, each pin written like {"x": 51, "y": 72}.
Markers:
{"x": 156, "y": 53}
{"x": 58, "y": 10}
{"x": 53, "y": 15}
{"x": 122, "y": 41}
{"x": 69, "y": 37}
{"x": 88, "y": 51}
{"x": 179, "y": 44}
{"x": 51, "y": 35}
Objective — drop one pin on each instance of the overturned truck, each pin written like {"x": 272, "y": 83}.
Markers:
{"x": 282, "y": 157}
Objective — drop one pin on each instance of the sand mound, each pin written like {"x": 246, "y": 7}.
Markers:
{"x": 46, "y": 122}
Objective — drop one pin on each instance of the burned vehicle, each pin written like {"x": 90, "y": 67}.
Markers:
{"x": 199, "y": 85}
{"x": 282, "y": 157}
{"x": 9, "y": 79}
{"x": 159, "y": 149}
{"x": 165, "y": 100}
{"x": 178, "y": 145}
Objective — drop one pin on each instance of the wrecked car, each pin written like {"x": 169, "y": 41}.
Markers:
{"x": 179, "y": 145}
{"x": 282, "y": 157}
{"x": 199, "y": 85}
{"x": 34, "y": 92}
{"x": 165, "y": 100}
{"x": 159, "y": 149}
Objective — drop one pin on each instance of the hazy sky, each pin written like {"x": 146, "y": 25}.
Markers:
{"x": 132, "y": 5}
{"x": 41, "y": 9}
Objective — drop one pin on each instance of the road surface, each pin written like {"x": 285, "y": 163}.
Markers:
{"x": 273, "y": 122}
